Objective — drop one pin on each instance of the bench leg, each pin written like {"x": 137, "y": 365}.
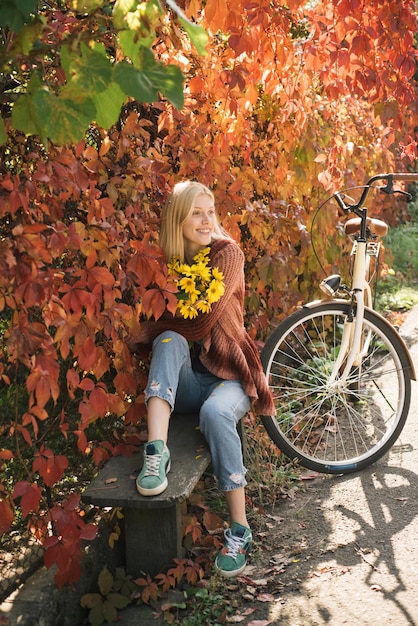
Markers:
{"x": 153, "y": 537}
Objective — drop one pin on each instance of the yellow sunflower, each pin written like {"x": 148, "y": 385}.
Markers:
{"x": 199, "y": 285}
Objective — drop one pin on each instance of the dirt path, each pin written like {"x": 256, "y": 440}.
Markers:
{"x": 345, "y": 550}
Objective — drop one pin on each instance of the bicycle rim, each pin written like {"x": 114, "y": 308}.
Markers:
{"x": 335, "y": 428}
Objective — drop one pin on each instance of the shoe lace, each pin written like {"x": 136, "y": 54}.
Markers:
{"x": 233, "y": 544}
{"x": 152, "y": 464}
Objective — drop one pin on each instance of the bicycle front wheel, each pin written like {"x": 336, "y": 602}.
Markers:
{"x": 333, "y": 426}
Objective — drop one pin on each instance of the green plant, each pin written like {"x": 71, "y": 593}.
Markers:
{"x": 200, "y": 607}
{"x": 114, "y": 593}
{"x": 400, "y": 299}
{"x": 403, "y": 245}
{"x": 270, "y": 473}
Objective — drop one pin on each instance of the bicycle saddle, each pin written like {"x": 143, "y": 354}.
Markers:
{"x": 376, "y": 227}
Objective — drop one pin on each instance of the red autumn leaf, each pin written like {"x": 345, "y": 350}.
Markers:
{"x": 52, "y": 550}
{"x": 87, "y": 384}
{"x": 101, "y": 275}
{"x": 43, "y": 380}
{"x": 153, "y": 303}
{"x": 73, "y": 381}
{"x": 87, "y": 354}
{"x": 98, "y": 401}
{"x": 88, "y": 532}
{"x": 81, "y": 440}
{"x": 6, "y": 455}
{"x": 6, "y": 516}
{"x": 30, "y": 494}
{"x": 72, "y": 502}
{"x": 100, "y": 455}
{"x": 25, "y": 434}
{"x": 70, "y": 575}
{"x": 50, "y": 467}
{"x": 125, "y": 383}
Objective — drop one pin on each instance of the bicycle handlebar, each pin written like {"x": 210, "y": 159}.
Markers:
{"x": 389, "y": 178}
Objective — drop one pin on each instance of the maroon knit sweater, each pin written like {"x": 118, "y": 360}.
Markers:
{"x": 227, "y": 350}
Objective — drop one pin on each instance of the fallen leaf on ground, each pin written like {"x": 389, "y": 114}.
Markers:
{"x": 310, "y": 476}
{"x": 236, "y": 619}
{"x": 265, "y": 597}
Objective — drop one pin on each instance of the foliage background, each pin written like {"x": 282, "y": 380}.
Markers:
{"x": 105, "y": 105}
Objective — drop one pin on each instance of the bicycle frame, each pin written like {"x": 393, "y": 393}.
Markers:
{"x": 351, "y": 350}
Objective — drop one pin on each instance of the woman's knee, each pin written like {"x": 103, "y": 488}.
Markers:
{"x": 208, "y": 420}
{"x": 170, "y": 337}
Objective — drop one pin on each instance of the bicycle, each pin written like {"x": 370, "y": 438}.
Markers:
{"x": 340, "y": 373}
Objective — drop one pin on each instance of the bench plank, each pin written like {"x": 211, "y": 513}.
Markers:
{"x": 152, "y": 525}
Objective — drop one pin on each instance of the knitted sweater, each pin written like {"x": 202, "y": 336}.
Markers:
{"x": 227, "y": 350}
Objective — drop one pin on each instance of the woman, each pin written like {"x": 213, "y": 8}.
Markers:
{"x": 220, "y": 376}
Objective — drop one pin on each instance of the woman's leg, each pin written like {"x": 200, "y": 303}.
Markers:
{"x": 226, "y": 403}
{"x": 225, "y": 406}
{"x": 170, "y": 364}
{"x": 158, "y": 418}
{"x": 235, "y": 500}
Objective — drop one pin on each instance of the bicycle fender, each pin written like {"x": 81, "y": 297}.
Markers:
{"x": 315, "y": 303}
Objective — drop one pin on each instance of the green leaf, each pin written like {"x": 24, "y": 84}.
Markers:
{"x": 108, "y": 104}
{"x": 105, "y": 581}
{"x": 109, "y": 612}
{"x": 139, "y": 17}
{"x": 63, "y": 120}
{"x": 167, "y": 79}
{"x": 133, "y": 82}
{"x": 28, "y": 35}
{"x": 118, "y": 601}
{"x": 96, "y": 617}
{"x": 89, "y": 72}
{"x": 25, "y": 115}
{"x": 131, "y": 44}
{"x": 15, "y": 13}
{"x": 90, "y": 600}
{"x": 197, "y": 34}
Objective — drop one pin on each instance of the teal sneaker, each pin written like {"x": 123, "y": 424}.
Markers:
{"x": 232, "y": 559}
{"x": 152, "y": 479}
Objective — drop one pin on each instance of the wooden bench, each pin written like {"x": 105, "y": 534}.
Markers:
{"x": 152, "y": 525}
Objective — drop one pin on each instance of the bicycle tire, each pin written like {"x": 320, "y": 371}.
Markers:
{"x": 328, "y": 430}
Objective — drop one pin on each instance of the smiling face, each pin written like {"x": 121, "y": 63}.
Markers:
{"x": 198, "y": 228}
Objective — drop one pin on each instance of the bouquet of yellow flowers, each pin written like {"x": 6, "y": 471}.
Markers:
{"x": 199, "y": 285}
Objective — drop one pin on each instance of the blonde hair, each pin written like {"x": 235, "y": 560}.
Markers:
{"x": 176, "y": 212}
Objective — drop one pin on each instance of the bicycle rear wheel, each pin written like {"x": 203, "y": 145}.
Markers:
{"x": 330, "y": 428}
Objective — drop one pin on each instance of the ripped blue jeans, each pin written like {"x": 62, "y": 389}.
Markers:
{"x": 220, "y": 404}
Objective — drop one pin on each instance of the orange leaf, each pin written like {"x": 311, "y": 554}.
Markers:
{"x": 98, "y": 401}
{"x": 125, "y": 383}
{"x": 102, "y": 276}
{"x": 6, "y": 455}
{"x": 212, "y": 521}
{"x": 87, "y": 354}
{"x": 153, "y": 303}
